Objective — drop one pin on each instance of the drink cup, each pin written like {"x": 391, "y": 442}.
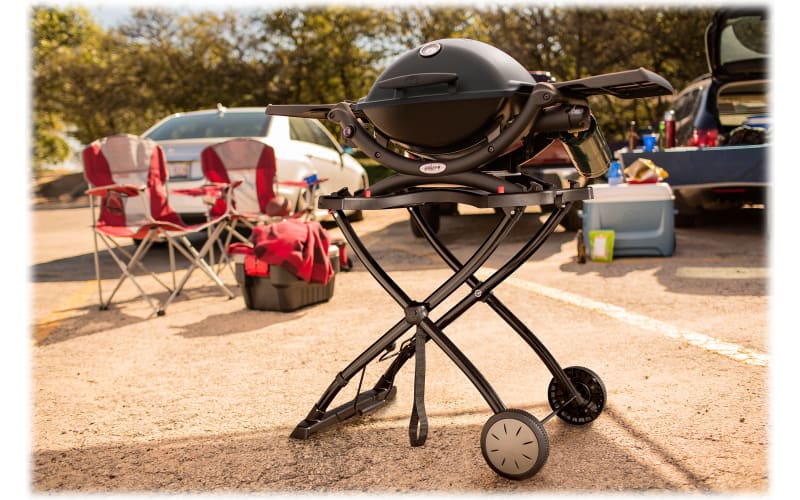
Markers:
{"x": 649, "y": 141}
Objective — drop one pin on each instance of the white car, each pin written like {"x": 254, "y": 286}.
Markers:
{"x": 303, "y": 147}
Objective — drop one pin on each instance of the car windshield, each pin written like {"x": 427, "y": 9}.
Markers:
{"x": 206, "y": 125}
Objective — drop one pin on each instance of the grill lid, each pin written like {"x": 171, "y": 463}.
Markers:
{"x": 446, "y": 95}
{"x": 447, "y": 70}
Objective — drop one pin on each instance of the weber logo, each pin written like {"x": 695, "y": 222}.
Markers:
{"x": 432, "y": 168}
{"x": 430, "y": 49}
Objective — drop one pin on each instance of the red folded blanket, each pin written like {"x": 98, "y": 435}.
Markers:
{"x": 299, "y": 247}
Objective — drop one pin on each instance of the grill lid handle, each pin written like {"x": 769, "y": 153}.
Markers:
{"x": 417, "y": 80}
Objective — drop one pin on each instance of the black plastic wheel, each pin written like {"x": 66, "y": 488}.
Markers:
{"x": 591, "y": 389}
{"x": 514, "y": 444}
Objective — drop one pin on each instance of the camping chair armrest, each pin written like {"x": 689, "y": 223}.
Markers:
{"x": 303, "y": 183}
{"x": 211, "y": 193}
{"x": 126, "y": 189}
{"x": 208, "y": 190}
{"x": 138, "y": 191}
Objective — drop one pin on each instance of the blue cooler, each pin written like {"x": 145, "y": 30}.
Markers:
{"x": 641, "y": 216}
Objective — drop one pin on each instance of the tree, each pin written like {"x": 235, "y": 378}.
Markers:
{"x": 96, "y": 82}
{"x": 324, "y": 54}
{"x": 55, "y": 34}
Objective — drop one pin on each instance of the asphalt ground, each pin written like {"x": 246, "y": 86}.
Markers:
{"x": 203, "y": 399}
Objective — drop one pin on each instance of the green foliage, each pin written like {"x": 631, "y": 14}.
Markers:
{"x": 50, "y": 145}
{"x": 55, "y": 34}
{"x": 159, "y": 61}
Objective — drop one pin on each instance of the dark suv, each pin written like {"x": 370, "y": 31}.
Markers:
{"x": 729, "y": 105}
{"x": 726, "y": 115}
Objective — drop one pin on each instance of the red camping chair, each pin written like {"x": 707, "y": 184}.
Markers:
{"x": 240, "y": 186}
{"x": 241, "y": 179}
{"x": 126, "y": 176}
{"x": 241, "y": 182}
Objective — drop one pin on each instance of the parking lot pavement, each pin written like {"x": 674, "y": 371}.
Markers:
{"x": 204, "y": 398}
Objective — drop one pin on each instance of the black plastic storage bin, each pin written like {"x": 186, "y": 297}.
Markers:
{"x": 283, "y": 291}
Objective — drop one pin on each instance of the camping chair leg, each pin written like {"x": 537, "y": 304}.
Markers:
{"x": 197, "y": 260}
{"x": 126, "y": 273}
{"x": 225, "y": 261}
{"x": 171, "y": 251}
{"x": 212, "y": 255}
{"x": 96, "y": 255}
{"x": 97, "y": 272}
{"x": 141, "y": 250}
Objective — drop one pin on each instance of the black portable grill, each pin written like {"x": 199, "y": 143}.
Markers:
{"x": 455, "y": 118}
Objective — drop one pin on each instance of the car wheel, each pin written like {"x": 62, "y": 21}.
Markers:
{"x": 431, "y": 215}
{"x": 572, "y": 221}
{"x": 358, "y": 215}
{"x": 300, "y": 204}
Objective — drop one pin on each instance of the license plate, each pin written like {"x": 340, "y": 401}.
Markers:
{"x": 179, "y": 169}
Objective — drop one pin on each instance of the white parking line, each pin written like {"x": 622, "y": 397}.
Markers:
{"x": 701, "y": 340}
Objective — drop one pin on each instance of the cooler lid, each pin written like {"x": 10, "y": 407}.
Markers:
{"x": 657, "y": 191}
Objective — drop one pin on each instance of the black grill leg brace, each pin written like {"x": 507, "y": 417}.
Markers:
{"x": 418, "y": 423}
{"x": 319, "y": 417}
{"x": 515, "y": 323}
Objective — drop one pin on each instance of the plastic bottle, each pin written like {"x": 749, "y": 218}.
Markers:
{"x": 615, "y": 174}
{"x": 632, "y": 136}
{"x": 669, "y": 129}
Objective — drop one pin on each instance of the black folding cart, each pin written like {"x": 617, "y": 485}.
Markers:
{"x": 456, "y": 119}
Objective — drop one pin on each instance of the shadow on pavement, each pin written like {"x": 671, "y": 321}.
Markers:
{"x": 89, "y": 320}
{"x": 356, "y": 457}
{"x": 81, "y": 267}
{"x": 216, "y": 325}
{"x": 724, "y": 254}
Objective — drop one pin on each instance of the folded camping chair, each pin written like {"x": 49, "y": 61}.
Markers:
{"x": 126, "y": 175}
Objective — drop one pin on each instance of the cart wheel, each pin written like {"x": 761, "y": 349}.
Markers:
{"x": 581, "y": 247}
{"x": 514, "y": 444}
{"x": 430, "y": 212}
{"x": 591, "y": 388}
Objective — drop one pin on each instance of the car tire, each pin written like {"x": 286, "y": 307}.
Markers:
{"x": 430, "y": 212}
{"x": 572, "y": 221}
{"x": 358, "y": 215}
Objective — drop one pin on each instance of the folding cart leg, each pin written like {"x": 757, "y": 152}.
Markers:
{"x": 415, "y": 315}
{"x": 517, "y": 453}
{"x": 486, "y": 296}
{"x": 521, "y": 452}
